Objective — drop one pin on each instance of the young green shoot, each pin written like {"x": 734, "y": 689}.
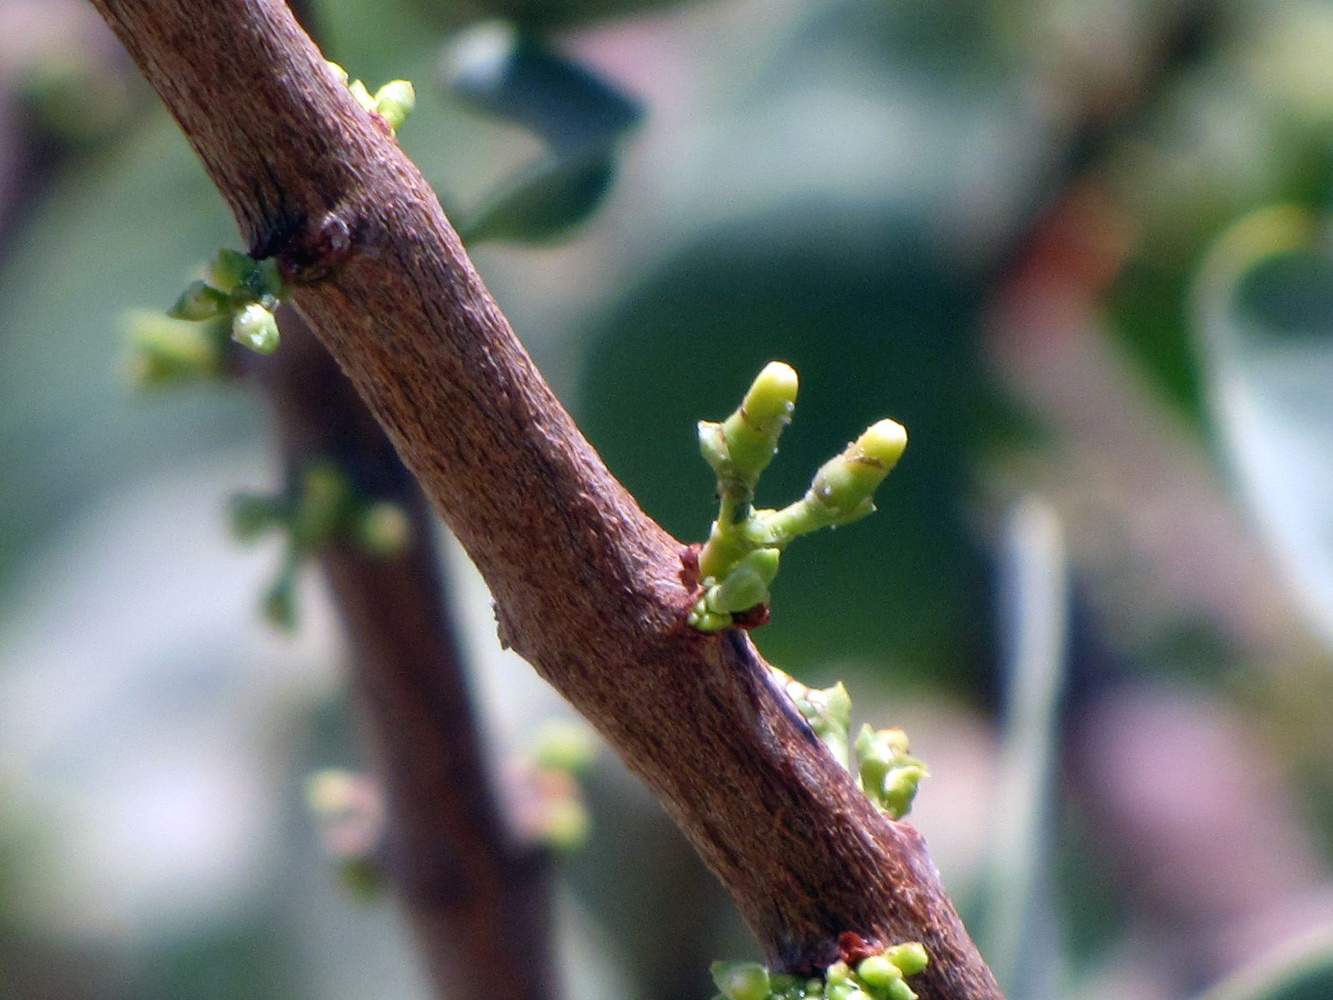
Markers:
{"x": 738, "y": 563}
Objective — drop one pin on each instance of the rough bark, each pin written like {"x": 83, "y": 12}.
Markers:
{"x": 587, "y": 587}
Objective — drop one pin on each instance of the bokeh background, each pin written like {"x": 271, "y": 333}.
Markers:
{"x": 1080, "y": 248}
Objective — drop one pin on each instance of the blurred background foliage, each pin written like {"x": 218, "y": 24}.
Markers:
{"x": 1078, "y": 247}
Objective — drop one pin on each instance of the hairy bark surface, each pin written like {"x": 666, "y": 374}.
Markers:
{"x": 587, "y": 587}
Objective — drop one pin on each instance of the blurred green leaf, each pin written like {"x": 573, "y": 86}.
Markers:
{"x": 542, "y": 203}
{"x": 1264, "y": 309}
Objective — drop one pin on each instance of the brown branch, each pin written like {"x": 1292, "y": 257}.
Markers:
{"x": 587, "y": 587}
{"x": 468, "y": 887}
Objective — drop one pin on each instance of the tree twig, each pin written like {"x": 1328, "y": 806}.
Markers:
{"x": 468, "y": 886}
{"x": 587, "y": 587}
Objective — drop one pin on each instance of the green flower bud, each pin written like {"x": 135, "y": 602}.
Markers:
{"x": 747, "y": 584}
{"x": 742, "y": 980}
{"x": 889, "y": 775}
{"x": 879, "y": 973}
{"x": 395, "y": 101}
{"x": 564, "y": 745}
{"x": 910, "y": 957}
{"x": 256, "y": 328}
{"x": 839, "y": 973}
{"x": 840, "y": 991}
{"x": 741, "y": 447}
{"x": 845, "y": 484}
{"x": 900, "y": 788}
{"x": 899, "y": 991}
{"x": 362, "y": 95}
{"x": 199, "y": 301}
{"x": 229, "y": 270}
{"x": 383, "y": 529}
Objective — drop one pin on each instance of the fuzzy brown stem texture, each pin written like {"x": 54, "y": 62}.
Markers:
{"x": 587, "y": 587}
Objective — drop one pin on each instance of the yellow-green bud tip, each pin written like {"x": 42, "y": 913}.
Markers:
{"x": 883, "y": 442}
{"x": 773, "y": 394}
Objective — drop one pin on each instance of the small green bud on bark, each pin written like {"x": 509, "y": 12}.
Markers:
{"x": 910, "y": 957}
{"x": 395, "y": 101}
{"x": 742, "y": 980}
{"x": 879, "y": 973}
{"x": 256, "y": 328}
{"x": 200, "y": 301}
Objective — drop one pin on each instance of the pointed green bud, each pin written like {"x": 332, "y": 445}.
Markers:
{"x": 878, "y": 973}
{"x": 899, "y": 990}
{"x": 845, "y": 484}
{"x": 749, "y": 437}
{"x": 229, "y": 270}
{"x": 911, "y": 957}
{"x": 564, "y": 745}
{"x": 395, "y": 101}
{"x": 256, "y": 328}
{"x": 829, "y": 712}
{"x": 383, "y": 529}
{"x": 165, "y": 351}
{"x": 741, "y": 980}
{"x": 199, "y": 301}
{"x": 747, "y": 584}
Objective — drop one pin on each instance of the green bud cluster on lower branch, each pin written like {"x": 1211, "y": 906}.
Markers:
{"x": 880, "y": 976}
{"x": 888, "y": 773}
{"x": 323, "y": 508}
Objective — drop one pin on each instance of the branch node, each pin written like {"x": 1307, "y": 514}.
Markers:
{"x": 307, "y": 250}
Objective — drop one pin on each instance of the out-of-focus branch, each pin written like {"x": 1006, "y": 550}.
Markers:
{"x": 587, "y": 587}
{"x": 469, "y": 887}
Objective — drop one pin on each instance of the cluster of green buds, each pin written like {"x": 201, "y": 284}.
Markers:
{"x": 392, "y": 103}
{"x": 348, "y": 811}
{"x": 739, "y": 561}
{"x": 324, "y": 507}
{"x": 889, "y": 774}
{"x": 550, "y": 805}
{"x": 828, "y": 710}
{"x": 236, "y": 299}
{"x": 877, "y": 977}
